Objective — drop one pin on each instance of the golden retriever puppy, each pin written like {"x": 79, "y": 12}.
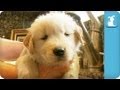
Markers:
{"x": 51, "y": 48}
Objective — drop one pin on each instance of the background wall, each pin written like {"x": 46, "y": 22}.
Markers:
{"x": 16, "y": 20}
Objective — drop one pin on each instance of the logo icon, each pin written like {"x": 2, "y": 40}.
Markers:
{"x": 111, "y": 21}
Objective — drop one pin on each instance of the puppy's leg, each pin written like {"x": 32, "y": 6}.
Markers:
{"x": 73, "y": 73}
{"x": 27, "y": 68}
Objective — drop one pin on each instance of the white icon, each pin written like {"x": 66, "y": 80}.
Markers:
{"x": 111, "y": 20}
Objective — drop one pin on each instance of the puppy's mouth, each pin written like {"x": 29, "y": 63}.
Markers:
{"x": 61, "y": 61}
{"x": 58, "y": 59}
{"x": 65, "y": 58}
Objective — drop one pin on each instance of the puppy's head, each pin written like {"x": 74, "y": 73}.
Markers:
{"x": 53, "y": 38}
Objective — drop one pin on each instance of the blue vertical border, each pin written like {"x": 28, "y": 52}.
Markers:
{"x": 111, "y": 46}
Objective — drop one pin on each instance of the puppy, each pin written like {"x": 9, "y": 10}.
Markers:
{"x": 51, "y": 48}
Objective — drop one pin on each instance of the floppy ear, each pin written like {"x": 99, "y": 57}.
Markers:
{"x": 28, "y": 42}
{"x": 79, "y": 38}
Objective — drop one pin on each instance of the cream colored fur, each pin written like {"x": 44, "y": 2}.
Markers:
{"x": 37, "y": 59}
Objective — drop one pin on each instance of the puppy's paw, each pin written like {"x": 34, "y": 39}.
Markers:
{"x": 27, "y": 74}
{"x": 23, "y": 74}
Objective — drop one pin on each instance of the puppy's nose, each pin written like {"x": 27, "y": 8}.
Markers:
{"x": 59, "y": 51}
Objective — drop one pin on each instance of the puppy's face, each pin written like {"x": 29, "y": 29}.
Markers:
{"x": 53, "y": 39}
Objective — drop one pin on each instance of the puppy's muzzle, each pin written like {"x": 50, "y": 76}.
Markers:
{"x": 59, "y": 51}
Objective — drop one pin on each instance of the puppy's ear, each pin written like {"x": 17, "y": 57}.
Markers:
{"x": 28, "y": 42}
{"x": 79, "y": 37}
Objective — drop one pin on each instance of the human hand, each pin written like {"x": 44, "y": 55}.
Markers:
{"x": 9, "y": 49}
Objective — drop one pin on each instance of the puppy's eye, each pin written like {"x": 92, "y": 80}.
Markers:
{"x": 66, "y": 34}
{"x": 45, "y": 37}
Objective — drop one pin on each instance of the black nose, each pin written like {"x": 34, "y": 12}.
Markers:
{"x": 59, "y": 51}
